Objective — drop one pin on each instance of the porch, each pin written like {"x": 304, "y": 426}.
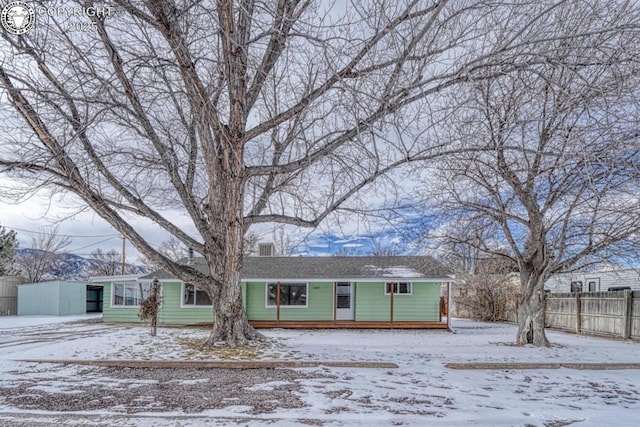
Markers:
{"x": 345, "y": 324}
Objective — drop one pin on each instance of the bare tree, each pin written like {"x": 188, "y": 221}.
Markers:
{"x": 44, "y": 257}
{"x": 247, "y": 112}
{"x": 173, "y": 249}
{"x": 469, "y": 248}
{"x": 557, "y": 181}
{"x": 250, "y": 244}
{"x": 282, "y": 241}
{"x": 458, "y": 245}
{"x": 381, "y": 249}
{"x": 346, "y": 251}
{"x": 108, "y": 263}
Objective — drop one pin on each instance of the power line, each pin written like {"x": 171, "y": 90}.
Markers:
{"x": 92, "y": 244}
{"x": 62, "y": 235}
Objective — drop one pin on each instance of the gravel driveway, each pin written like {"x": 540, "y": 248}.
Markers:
{"x": 135, "y": 390}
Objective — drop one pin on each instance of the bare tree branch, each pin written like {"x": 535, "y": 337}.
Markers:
{"x": 555, "y": 180}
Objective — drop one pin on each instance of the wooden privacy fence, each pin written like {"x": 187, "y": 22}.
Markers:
{"x": 9, "y": 295}
{"x": 598, "y": 313}
{"x": 602, "y": 313}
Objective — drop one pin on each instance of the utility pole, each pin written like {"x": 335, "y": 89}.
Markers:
{"x": 123, "y": 255}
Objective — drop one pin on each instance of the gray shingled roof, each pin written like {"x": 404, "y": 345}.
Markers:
{"x": 390, "y": 267}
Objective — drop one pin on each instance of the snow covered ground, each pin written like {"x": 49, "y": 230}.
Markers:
{"x": 18, "y": 323}
{"x": 422, "y": 391}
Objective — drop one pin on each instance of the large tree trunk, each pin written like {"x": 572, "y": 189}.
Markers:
{"x": 224, "y": 253}
{"x": 531, "y": 309}
{"x": 230, "y": 323}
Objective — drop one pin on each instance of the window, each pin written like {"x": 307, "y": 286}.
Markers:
{"x": 291, "y": 294}
{"x": 194, "y": 296}
{"x": 576, "y": 286}
{"x": 399, "y": 288}
{"x": 130, "y": 294}
{"x": 593, "y": 284}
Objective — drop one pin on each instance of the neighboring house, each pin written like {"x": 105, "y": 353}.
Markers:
{"x": 594, "y": 282}
{"x": 300, "y": 291}
{"x": 58, "y": 298}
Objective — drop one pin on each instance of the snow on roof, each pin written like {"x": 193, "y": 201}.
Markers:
{"x": 399, "y": 272}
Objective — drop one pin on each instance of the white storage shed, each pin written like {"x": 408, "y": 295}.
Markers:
{"x": 54, "y": 298}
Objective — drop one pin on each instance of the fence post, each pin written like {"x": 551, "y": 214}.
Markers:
{"x": 627, "y": 311}
{"x": 578, "y": 315}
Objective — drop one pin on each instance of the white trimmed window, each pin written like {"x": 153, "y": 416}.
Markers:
{"x": 291, "y": 294}
{"x": 399, "y": 288}
{"x": 192, "y": 296}
{"x": 130, "y": 294}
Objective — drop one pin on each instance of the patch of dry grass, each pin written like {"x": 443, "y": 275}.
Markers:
{"x": 202, "y": 348}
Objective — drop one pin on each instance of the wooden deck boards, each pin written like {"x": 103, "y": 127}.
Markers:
{"x": 289, "y": 324}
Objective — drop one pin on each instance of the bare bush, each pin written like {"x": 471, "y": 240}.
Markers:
{"x": 487, "y": 296}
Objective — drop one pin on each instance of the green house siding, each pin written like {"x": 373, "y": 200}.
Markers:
{"x": 371, "y": 302}
{"x": 423, "y": 304}
{"x": 373, "y": 305}
{"x": 255, "y": 302}
{"x": 170, "y": 311}
{"x": 244, "y": 294}
{"x": 116, "y": 314}
{"x": 319, "y": 303}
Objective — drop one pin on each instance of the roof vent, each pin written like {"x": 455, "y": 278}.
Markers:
{"x": 266, "y": 249}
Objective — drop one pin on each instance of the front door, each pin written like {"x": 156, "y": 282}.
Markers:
{"x": 344, "y": 301}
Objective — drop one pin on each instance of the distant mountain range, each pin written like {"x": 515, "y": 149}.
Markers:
{"x": 69, "y": 266}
